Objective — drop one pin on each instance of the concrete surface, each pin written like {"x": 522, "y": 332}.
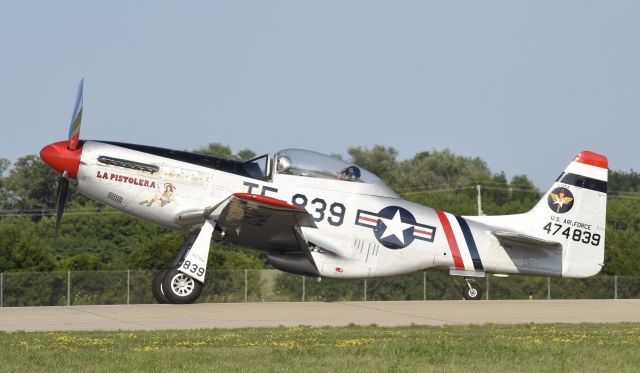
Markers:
{"x": 235, "y": 315}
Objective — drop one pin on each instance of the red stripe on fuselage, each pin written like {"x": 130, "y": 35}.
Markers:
{"x": 415, "y": 230}
{"x": 451, "y": 238}
{"x": 368, "y": 219}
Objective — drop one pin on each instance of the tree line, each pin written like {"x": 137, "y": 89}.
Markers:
{"x": 95, "y": 237}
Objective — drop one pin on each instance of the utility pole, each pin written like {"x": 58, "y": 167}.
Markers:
{"x": 479, "y": 199}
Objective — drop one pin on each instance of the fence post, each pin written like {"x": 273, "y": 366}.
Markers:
{"x": 548, "y": 288}
{"x": 424, "y": 285}
{"x": 128, "y": 285}
{"x": 246, "y": 286}
{"x": 68, "y": 288}
{"x": 487, "y": 285}
{"x": 615, "y": 287}
{"x": 365, "y": 289}
{"x": 1, "y": 289}
{"x": 303, "y": 288}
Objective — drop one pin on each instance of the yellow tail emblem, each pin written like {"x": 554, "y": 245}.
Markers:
{"x": 560, "y": 199}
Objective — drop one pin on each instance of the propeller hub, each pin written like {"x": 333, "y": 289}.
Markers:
{"x": 60, "y": 158}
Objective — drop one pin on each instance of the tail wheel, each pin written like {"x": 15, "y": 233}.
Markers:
{"x": 472, "y": 291}
{"x": 156, "y": 287}
{"x": 180, "y": 288}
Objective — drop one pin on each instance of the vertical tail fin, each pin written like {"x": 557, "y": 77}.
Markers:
{"x": 573, "y": 213}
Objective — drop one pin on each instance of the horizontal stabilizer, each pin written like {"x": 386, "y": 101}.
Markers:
{"x": 522, "y": 239}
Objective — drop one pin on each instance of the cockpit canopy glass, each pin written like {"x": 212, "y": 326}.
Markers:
{"x": 307, "y": 163}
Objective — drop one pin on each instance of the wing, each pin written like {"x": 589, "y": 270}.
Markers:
{"x": 261, "y": 222}
{"x": 554, "y": 197}
{"x": 272, "y": 225}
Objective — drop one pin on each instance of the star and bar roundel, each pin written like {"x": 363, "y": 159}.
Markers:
{"x": 395, "y": 227}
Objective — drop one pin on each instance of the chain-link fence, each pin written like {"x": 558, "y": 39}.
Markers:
{"x": 134, "y": 287}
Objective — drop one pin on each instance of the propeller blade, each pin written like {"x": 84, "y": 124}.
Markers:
{"x": 51, "y": 155}
{"x": 61, "y": 199}
{"x": 76, "y": 119}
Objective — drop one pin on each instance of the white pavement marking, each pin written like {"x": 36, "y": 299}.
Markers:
{"x": 236, "y": 315}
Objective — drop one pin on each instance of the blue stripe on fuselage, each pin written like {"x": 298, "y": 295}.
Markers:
{"x": 471, "y": 244}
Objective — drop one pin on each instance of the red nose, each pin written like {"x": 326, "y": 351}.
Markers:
{"x": 60, "y": 158}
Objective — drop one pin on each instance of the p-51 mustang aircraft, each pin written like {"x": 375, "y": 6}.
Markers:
{"x": 318, "y": 216}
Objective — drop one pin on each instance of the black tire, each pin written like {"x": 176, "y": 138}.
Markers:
{"x": 472, "y": 292}
{"x": 156, "y": 287}
{"x": 180, "y": 288}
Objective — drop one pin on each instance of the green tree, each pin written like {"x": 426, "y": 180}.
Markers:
{"x": 622, "y": 252}
{"x": 224, "y": 151}
{"x": 31, "y": 185}
{"x": 497, "y": 189}
{"x": 156, "y": 251}
{"x": 380, "y": 160}
{"x": 245, "y": 154}
{"x": 4, "y": 166}
{"x": 621, "y": 181}
{"x": 439, "y": 170}
{"x": 22, "y": 248}
{"x": 217, "y": 150}
{"x": 522, "y": 189}
{"x": 83, "y": 261}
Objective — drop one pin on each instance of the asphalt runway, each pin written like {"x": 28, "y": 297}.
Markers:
{"x": 236, "y": 315}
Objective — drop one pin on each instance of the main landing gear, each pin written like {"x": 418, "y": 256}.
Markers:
{"x": 182, "y": 282}
{"x": 472, "y": 291}
{"x": 172, "y": 286}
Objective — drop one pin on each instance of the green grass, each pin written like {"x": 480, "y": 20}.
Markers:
{"x": 532, "y": 347}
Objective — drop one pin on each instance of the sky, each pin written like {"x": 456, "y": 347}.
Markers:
{"x": 524, "y": 85}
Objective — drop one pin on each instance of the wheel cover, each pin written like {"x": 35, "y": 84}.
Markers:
{"x": 473, "y": 292}
{"x": 182, "y": 284}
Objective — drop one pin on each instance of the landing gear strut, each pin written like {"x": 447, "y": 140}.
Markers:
{"x": 472, "y": 291}
{"x": 182, "y": 282}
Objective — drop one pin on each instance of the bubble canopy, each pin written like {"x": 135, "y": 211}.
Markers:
{"x": 300, "y": 162}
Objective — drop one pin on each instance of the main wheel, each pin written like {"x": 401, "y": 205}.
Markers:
{"x": 180, "y": 288}
{"x": 156, "y": 287}
{"x": 472, "y": 291}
